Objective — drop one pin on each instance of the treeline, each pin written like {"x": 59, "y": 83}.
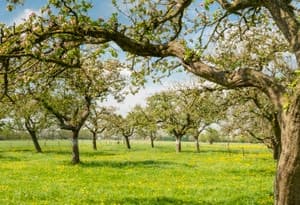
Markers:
{"x": 8, "y": 134}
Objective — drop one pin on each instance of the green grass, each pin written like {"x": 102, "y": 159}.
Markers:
{"x": 114, "y": 175}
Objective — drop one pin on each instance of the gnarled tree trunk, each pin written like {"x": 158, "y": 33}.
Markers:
{"x": 287, "y": 184}
{"x": 75, "y": 147}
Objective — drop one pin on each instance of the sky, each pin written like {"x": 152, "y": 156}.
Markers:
{"x": 103, "y": 9}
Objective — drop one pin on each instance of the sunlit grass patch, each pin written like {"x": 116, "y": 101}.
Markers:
{"x": 242, "y": 174}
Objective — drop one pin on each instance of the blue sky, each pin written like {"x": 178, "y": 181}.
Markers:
{"x": 103, "y": 9}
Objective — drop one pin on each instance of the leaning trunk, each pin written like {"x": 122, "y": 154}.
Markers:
{"x": 94, "y": 140}
{"x": 287, "y": 184}
{"x": 75, "y": 147}
{"x": 127, "y": 142}
{"x": 178, "y": 144}
{"x": 197, "y": 144}
{"x": 35, "y": 141}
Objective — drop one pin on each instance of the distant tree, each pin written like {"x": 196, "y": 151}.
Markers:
{"x": 71, "y": 95}
{"x": 166, "y": 108}
{"x": 212, "y": 135}
{"x": 249, "y": 112}
{"x": 185, "y": 111}
{"x": 123, "y": 126}
{"x": 145, "y": 123}
{"x": 207, "y": 106}
{"x": 97, "y": 121}
{"x": 28, "y": 115}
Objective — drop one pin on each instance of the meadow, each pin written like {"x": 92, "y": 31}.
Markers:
{"x": 218, "y": 175}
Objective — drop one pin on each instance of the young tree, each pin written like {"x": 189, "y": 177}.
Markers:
{"x": 122, "y": 126}
{"x": 158, "y": 29}
{"x": 206, "y": 107}
{"x": 145, "y": 123}
{"x": 72, "y": 94}
{"x": 184, "y": 111}
{"x": 28, "y": 115}
{"x": 166, "y": 108}
{"x": 97, "y": 121}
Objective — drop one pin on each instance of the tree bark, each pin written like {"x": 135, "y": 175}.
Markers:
{"x": 35, "y": 141}
{"x": 287, "y": 183}
{"x": 152, "y": 142}
{"x": 33, "y": 136}
{"x": 178, "y": 144}
{"x": 276, "y": 142}
{"x": 127, "y": 142}
{"x": 94, "y": 140}
{"x": 75, "y": 147}
{"x": 197, "y": 144}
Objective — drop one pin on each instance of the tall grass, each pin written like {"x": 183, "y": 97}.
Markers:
{"x": 219, "y": 175}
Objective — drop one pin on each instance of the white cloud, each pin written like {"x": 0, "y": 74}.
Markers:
{"x": 24, "y": 15}
{"x": 140, "y": 98}
{"x": 132, "y": 100}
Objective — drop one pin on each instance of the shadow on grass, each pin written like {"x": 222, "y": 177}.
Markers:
{"x": 10, "y": 158}
{"x": 155, "y": 201}
{"x": 173, "y": 201}
{"x": 83, "y": 154}
{"x": 123, "y": 164}
{"x": 19, "y": 150}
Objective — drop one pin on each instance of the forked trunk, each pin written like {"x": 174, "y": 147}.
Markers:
{"x": 127, "y": 142}
{"x": 287, "y": 182}
{"x": 75, "y": 148}
{"x": 178, "y": 144}
{"x": 94, "y": 140}
{"x": 35, "y": 141}
{"x": 197, "y": 144}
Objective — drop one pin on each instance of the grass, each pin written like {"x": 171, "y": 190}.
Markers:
{"x": 242, "y": 174}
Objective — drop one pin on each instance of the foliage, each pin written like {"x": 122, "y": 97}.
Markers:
{"x": 145, "y": 122}
{"x": 248, "y": 113}
{"x": 211, "y": 136}
{"x": 121, "y": 125}
{"x": 97, "y": 121}
{"x": 184, "y": 110}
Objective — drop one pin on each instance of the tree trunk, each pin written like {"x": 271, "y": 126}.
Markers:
{"x": 277, "y": 141}
{"x": 197, "y": 144}
{"x": 35, "y": 141}
{"x": 178, "y": 144}
{"x": 75, "y": 148}
{"x": 287, "y": 182}
{"x": 127, "y": 142}
{"x": 94, "y": 140}
{"x": 152, "y": 142}
{"x": 276, "y": 151}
